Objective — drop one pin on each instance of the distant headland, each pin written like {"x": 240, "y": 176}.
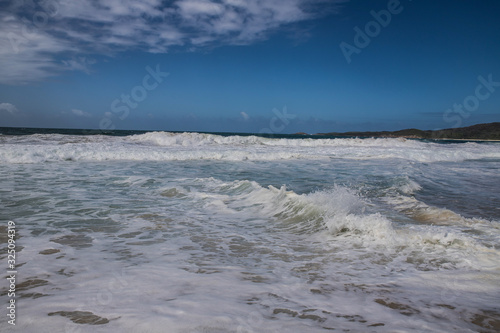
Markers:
{"x": 490, "y": 131}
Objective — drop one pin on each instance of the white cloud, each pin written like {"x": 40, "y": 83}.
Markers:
{"x": 8, "y": 107}
{"x": 27, "y": 55}
{"x": 70, "y": 30}
{"x": 244, "y": 115}
{"x": 79, "y": 64}
{"x": 80, "y": 113}
{"x": 199, "y": 8}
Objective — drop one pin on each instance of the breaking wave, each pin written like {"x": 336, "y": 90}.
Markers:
{"x": 165, "y": 146}
{"x": 341, "y": 213}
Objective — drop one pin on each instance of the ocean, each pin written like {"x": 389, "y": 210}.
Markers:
{"x": 200, "y": 232}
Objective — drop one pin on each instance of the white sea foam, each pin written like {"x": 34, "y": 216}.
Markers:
{"x": 341, "y": 213}
{"x": 164, "y": 146}
{"x": 355, "y": 240}
{"x": 203, "y": 139}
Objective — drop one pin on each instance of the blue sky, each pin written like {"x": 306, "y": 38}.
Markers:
{"x": 279, "y": 66}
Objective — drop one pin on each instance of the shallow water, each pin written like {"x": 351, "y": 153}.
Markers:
{"x": 205, "y": 233}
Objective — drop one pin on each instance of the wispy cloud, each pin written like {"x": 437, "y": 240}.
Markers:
{"x": 27, "y": 55}
{"x": 79, "y": 64}
{"x": 80, "y": 113}
{"x": 244, "y": 115}
{"x": 39, "y": 41}
{"x": 10, "y": 108}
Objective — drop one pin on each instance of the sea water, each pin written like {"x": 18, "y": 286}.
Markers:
{"x": 196, "y": 232}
